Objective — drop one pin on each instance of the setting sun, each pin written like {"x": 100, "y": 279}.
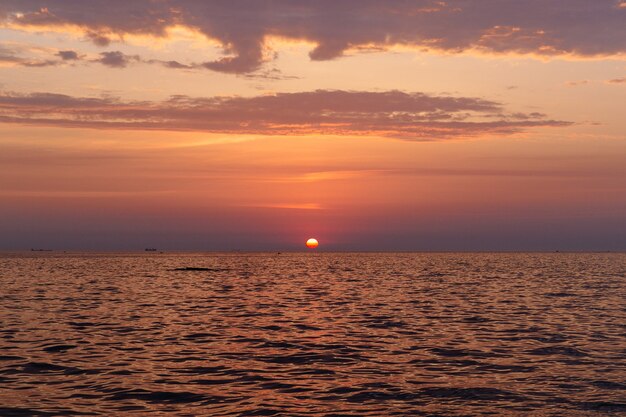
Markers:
{"x": 312, "y": 243}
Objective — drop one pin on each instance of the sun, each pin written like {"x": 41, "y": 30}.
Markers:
{"x": 312, "y": 243}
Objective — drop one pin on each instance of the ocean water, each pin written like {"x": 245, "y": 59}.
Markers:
{"x": 313, "y": 334}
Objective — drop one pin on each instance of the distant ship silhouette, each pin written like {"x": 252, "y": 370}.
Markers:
{"x": 150, "y": 249}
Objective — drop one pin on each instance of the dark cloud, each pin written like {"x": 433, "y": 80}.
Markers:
{"x": 68, "y": 55}
{"x": 621, "y": 80}
{"x": 269, "y": 74}
{"x": 173, "y": 64}
{"x": 116, "y": 59}
{"x": 555, "y": 27}
{"x": 410, "y": 116}
{"x": 98, "y": 39}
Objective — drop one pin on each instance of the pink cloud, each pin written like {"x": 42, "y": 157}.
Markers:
{"x": 396, "y": 114}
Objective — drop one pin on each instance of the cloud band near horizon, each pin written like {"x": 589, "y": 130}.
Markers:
{"x": 394, "y": 114}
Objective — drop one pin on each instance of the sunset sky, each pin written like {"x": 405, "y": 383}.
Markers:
{"x": 369, "y": 125}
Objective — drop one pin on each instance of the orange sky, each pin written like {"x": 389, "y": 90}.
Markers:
{"x": 431, "y": 127}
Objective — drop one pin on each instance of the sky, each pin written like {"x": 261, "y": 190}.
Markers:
{"x": 369, "y": 125}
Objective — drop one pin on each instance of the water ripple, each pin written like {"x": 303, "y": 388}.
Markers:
{"x": 313, "y": 334}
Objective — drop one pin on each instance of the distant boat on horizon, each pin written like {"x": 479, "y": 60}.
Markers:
{"x": 150, "y": 249}
{"x": 40, "y": 250}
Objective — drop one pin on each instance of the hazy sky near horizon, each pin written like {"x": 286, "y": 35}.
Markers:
{"x": 370, "y": 125}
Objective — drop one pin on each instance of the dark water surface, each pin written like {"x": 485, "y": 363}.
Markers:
{"x": 313, "y": 334}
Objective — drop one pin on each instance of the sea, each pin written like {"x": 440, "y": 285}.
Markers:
{"x": 312, "y": 334}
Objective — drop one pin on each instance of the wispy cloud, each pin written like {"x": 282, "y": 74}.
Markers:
{"x": 621, "y": 80}
{"x": 548, "y": 28}
{"x": 13, "y": 56}
{"x": 577, "y": 83}
{"x": 289, "y": 206}
{"x": 396, "y": 114}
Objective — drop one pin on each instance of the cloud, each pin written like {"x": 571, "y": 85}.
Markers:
{"x": 8, "y": 55}
{"x": 621, "y": 80}
{"x": 289, "y": 206}
{"x": 13, "y": 56}
{"x": 116, "y": 59}
{"x": 268, "y": 74}
{"x": 395, "y": 114}
{"x": 98, "y": 39}
{"x": 577, "y": 83}
{"x": 548, "y": 28}
{"x": 172, "y": 64}
{"x": 68, "y": 55}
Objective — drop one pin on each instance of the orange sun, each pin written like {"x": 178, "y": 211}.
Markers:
{"x": 312, "y": 243}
